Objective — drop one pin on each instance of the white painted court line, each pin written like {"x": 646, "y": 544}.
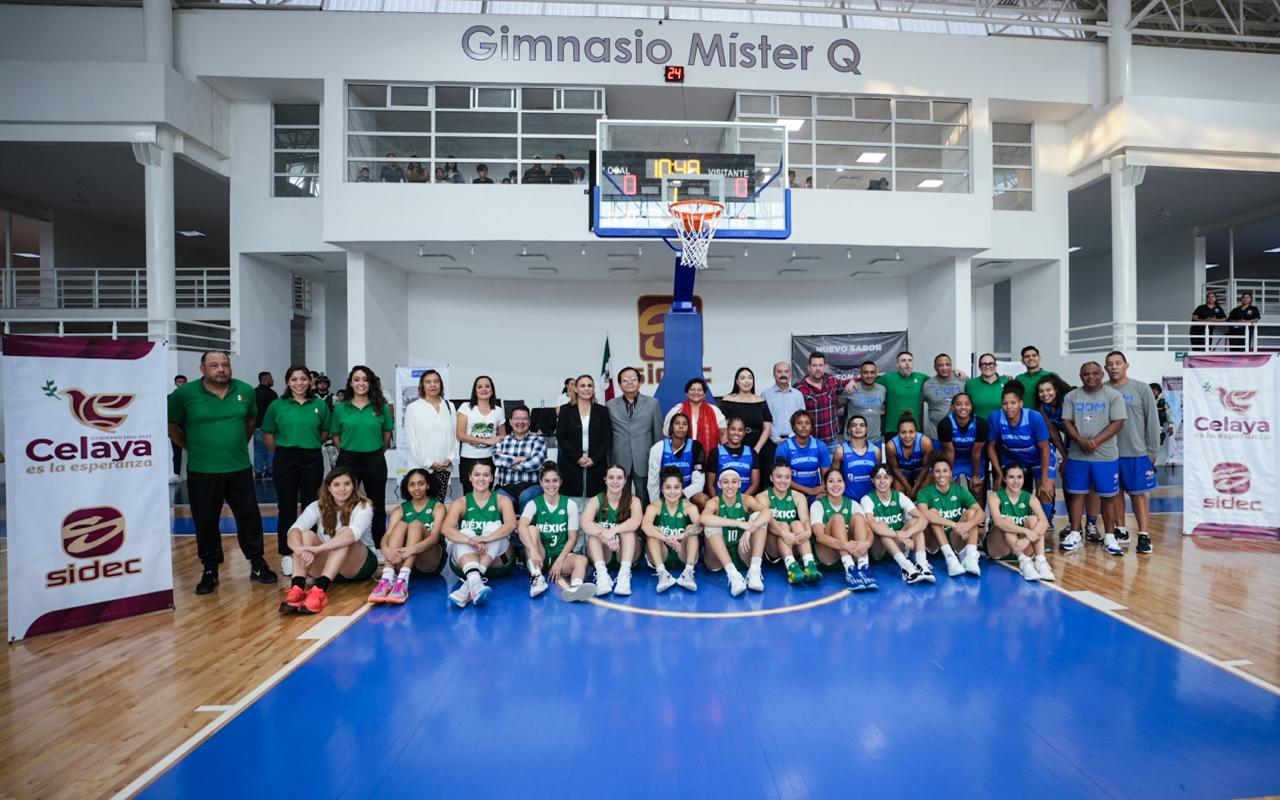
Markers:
{"x": 1239, "y": 662}
{"x": 326, "y": 628}
{"x": 214, "y": 709}
{"x": 1096, "y": 600}
{"x": 142, "y": 781}
{"x": 1228, "y": 666}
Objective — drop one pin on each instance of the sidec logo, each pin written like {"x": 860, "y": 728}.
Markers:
{"x": 1232, "y": 479}
{"x": 89, "y": 534}
{"x": 1234, "y": 402}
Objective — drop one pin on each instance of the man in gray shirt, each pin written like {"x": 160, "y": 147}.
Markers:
{"x": 1139, "y": 445}
{"x": 938, "y": 391}
{"x": 784, "y": 400}
{"x": 866, "y": 397}
{"x": 1092, "y": 416}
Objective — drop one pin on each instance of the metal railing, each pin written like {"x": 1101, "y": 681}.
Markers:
{"x": 1266, "y": 293}
{"x": 193, "y": 335}
{"x": 1172, "y": 337}
{"x": 110, "y": 287}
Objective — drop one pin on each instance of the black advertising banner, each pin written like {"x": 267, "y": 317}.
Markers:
{"x": 845, "y": 351}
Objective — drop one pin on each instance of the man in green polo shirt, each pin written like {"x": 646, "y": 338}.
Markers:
{"x": 1029, "y": 379}
{"x": 212, "y": 419}
{"x": 902, "y": 393}
{"x": 985, "y": 388}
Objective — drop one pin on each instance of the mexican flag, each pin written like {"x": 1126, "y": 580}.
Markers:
{"x": 606, "y": 372}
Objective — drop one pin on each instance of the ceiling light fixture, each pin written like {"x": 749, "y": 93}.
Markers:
{"x": 639, "y": 250}
{"x": 793, "y": 252}
{"x": 584, "y": 250}
{"x": 1074, "y": 249}
{"x": 473, "y": 250}
{"x": 871, "y": 157}
{"x": 421, "y": 251}
{"x": 792, "y": 125}
{"x": 524, "y": 250}
{"x": 190, "y": 234}
{"x": 746, "y": 251}
{"x": 929, "y": 183}
{"x": 848, "y": 253}
{"x": 1272, "y": 250}
{"x": 1206, "y": 266}
{"x": 27, "y": 255}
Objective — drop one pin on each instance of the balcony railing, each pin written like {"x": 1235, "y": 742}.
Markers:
{"x": 110, "y": 287}
{"x": 1172, "y": 337}
{"x": 1266, "y": 293}
{"x": 193, "y": 335}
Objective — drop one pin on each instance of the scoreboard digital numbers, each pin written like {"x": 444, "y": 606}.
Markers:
{"x": 633, "y": 173}
{"x": 673, "y": 74}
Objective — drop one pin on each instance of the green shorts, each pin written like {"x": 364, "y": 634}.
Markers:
{"x": 837, "y": 566}
{"x": 366, "y": 571}
{"x": 495, "y": 570}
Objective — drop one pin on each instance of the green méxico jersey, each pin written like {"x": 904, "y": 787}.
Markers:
{"x": 1018, "y": 511}
{"x": 217, "y": 440}
{"x": 735, "y": 511}
{"x": 783, "y": 508}
{"x": 844, "y": 510}
{"x": 410, "y": 516}
{"x": 606, "y": 515}
{"x": 359, "y": 430}
{"x": 553, "y": 524}
{"x": 950, "y": 505}
{"x": 478, "y": 520}
{"x": 297, "y": 424}
{"x": 901, "y": 393}
{"x": 669, "y": 524}
{"x": 889, "y": 513}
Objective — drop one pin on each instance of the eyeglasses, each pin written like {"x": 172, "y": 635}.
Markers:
{"x": 986, "y": 363}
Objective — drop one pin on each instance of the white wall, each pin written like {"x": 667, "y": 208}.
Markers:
{"x": 940, "y": 317}
{"x": 547, "y": 331}
{"x": 1037, "y": 306}
{"x": 335, "y": 332}
{"x": 378, "y": 315}
{"x": 265, "y": 305}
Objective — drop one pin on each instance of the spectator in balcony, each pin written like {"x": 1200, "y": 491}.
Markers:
{"x": 512, "y": 177}
{"x": 535, "y": 173}
{"x": 178, "y": 380}
{"x": 1244, "y": 337}
{"x": 415, "y": 173}
{"x": 808, "y": 182}
{"x": 482, "y": 174}
{"x": 1202, "y": 335}
{"x": 391, "y": 172}
{"x": 264, "y": 395}
{"x": 579, "y": 176}
{"x": 559, "y": 172}
{"x": 363, "y": 175}
{"x": 451, "y": 173}
{"x": 791, "y": 179}
{"x": 438, "y": 177}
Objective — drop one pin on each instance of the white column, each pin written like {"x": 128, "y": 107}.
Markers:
{"x": 962, "y": 358}
{"x": 1119, "y": 50}
{"x": 357, "y": 343}
{"x": 157, "y": 31}
{"x": 1124, "y": 252}
{"x": 156, "y": 159}
{"x": 317, "y": 328}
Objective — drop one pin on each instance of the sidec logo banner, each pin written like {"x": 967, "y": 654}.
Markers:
{"x": 89, "y": 532}
{"x": 1232, "y": 486}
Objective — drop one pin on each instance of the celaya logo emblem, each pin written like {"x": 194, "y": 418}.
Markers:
{"x": 1237, "y": 400}
{"x": 93, "y": 410}
{"x": 1231, "y": 477}
{"x": 92, "y": 532}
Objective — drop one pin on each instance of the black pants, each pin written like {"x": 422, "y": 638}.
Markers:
{"x": 370, "y": 471}
{"x": 177, "y": 460}
{"x": 464, "y": 468}
{"x": 208, "y": 491}
{"x": 297, "y": 473}
{"x": 442, "y": 478}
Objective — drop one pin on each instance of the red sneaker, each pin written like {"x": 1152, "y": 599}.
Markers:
{"x": 315, "y": 601}
{"x": 293, "y": 600}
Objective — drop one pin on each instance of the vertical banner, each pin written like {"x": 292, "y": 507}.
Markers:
{"x": 1232, "y": 483}
{"x": 1172, "y": 396}
{"x": 406, "y": 393}
{"x": 845, "y": 351}
{"x": 87, "y": 469}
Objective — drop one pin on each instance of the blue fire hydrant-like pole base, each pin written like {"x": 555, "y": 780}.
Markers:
{"x": 682, "y": 337}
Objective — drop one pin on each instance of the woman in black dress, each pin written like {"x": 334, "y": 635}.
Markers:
{"x": 752, "y": 409}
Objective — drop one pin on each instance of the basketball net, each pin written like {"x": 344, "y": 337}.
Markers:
{"x": 695, "y": 222}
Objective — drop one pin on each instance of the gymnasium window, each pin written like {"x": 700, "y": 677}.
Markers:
{"x": 1012, "y": 166}
{"x": 870, "y": 143}
{"x": 295, "y": 136}
{"x": 427, "y": 133}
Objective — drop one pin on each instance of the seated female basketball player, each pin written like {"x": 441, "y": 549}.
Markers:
{"x": 735, "y": 527}
{"x": 671, "y": 527}
{"x": 842, "y": 540}
{"x": 905, "y": 454}
{"x": 477, "y": 528}
{"x": 610, "y": 522}
{"x": 1017, "y": 515}
{"x": 680, "y": 451}
{"x": 953, "y": 513}
{"x": 413, "y": 540}
{"x": 549, "y": 532}
{"x": 789, "y": 531}
{"x": 898, "y": 526}
{"x": 331, "y": 540}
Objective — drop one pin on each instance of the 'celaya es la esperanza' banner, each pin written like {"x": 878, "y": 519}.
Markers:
{"x": 87, "y": 469}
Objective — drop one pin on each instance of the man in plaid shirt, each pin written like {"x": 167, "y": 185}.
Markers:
{"x": 820, "y": 391}
{"x": 518, "y": 457}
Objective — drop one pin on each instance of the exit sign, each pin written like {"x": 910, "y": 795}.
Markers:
{"x": 1179, "y": 355}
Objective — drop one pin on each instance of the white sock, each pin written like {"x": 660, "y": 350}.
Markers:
{"x": 661, "y": 569}
{"x": 534, "y": 569}
{"x": 483, "y": 568}
{"x": 1022, "y": 559}
{"x": 602, "y": 568}
{"x": 405, "y": 572}
{"x": 808, "y": 559}
{"x": 473, "y": 578}
{"x": 970, "y": 550}
{"x": 947, "y": 552}
{"x": 847, "y": 560}
{"x": 388, "y": 574}
{"x": 731, "y": 570}
{"x": 922, "y": 557}
{"x": 1143, "y": 533}
{"x": 863, "y": 562}
{"x": 624, "y": 569}
{"x": 903, "y": 561}
{"x": 788, "y": 561}
{"x": 755, "y": 564}
{"x": 688, "y": 569}
{"x": 575, "y": 582}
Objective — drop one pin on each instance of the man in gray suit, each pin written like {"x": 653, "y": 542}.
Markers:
{"x": 637, "y": 425}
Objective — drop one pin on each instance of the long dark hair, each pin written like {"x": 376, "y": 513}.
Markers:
{"x": 739, "y": 372}
{"x": 624, "y": 502}
{"x": 375, "y": 389}
{"x": 494, "y": 402}
{"x": 311, "y": 386}
{"x": 433, "y": 483}
{"x": 1059, "y": 385}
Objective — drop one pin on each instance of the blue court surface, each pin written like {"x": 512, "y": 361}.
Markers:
{"x": 987, "y": 687}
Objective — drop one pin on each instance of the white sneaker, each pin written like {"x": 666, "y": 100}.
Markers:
{"x": 622, "y": 587}
{"x": 1043, "y": 569}
{"x": 1091, "y": 532}
{"x": 954, "y": 567}
{"x": 1072, "y": 541}
{"x": 737, "y": 585}
{"x": 686, "y": 581}
{"x": 174, "y": 480}
{"x": 537, "y": 585}
{"x": 755, "y": 582}
{"x": 1113, "y": 547}
{"x": 579, "y": 594}
{"x": 603, "y": 583}
{"x": 665, "y": 581}
{"x": 461, "y": 597}
{"x": 926, "y": 573}
{"x": 480, "y": 592}
{"x": 970, "y": 564}
{"x": 286, "y": 566}
{"x": 1028, "y": 568}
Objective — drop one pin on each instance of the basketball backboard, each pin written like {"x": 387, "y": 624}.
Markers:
{"x": 641, "y": 167}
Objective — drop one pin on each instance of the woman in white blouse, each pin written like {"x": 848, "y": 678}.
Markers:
{"x": 430, "y": 428}
{"x": 481, "y": 424}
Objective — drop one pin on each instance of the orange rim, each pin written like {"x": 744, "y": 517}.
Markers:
{"x": 693, "y": 214}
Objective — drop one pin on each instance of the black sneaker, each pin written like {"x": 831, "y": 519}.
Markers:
{"x": 1144, "y": 543}
{"x": 262, "y": 573}
{"x": 208, "y": 582}
{"x": 1122, "y": 535}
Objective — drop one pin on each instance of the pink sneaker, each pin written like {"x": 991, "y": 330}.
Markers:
{"x": 379, "y": 593}
{"x": 399, "y": 592}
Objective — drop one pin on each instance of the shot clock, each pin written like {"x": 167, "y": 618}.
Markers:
{"x": 673, "y": 74}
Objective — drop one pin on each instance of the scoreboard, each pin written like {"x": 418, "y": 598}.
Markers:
{"x": 635, "y": 173}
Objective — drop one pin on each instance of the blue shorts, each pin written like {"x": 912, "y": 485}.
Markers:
{"x": 1137, "y": 474}
{"x": 1034, "y": 470}
{"x": 1101, "y": 476}
{"x": 965, "y": 467}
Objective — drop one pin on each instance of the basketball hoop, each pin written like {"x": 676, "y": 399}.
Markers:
{"x": 695, "y": 222}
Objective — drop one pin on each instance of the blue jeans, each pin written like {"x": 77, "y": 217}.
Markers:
{"x": 525, "y": 495}
{"x": 261, "y": 455}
